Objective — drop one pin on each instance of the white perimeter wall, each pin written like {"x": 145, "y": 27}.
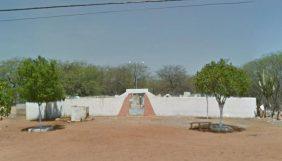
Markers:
{"x": 97, "y": 107}
{"x": 163, "y": 106}
{"x": 197, "y": 106}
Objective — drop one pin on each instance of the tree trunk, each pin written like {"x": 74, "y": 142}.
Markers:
{"x": 221, "y": 115}
{"x": 258, "y": 108}
{"x": 258, "y": 112}
{"x": 265, "y": 109}
{"x": 40, "y": 115}
{"x": 272, "y": 113}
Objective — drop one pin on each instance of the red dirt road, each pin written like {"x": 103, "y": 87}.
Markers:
{"x": 139, "y": 139}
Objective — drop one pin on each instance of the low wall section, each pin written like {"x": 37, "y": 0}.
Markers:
{"x": 108, "y": 106}
{"x": 162, "y": 106}
{"x": 197, "y": 106}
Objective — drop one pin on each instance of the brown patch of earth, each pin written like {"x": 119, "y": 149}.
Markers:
{"x": 139, "y": 139}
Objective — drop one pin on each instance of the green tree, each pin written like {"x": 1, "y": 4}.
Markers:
{"x": 266, "y": 75}
{"x": 80, "y": 79}
{"x": 9, "y": 74}
{"x": 222, "y": 80}
{"x": 8, "y": 71}
{"x": 251, "y": 69}
{"x": 173, "y": 79}
{"x": 139, "y": 73}
{"x": 40, "y": 82}
{"x": 116, "y": 80}
{"x": 6, "y": 99}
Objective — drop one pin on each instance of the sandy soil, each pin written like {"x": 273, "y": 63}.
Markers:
{"x": 132, "y": 139}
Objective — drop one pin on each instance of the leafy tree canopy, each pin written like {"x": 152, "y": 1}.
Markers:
{"x": 222, "y": 80}
{"x": 266, "y": 86}
{"x": 80, "y": 79}
{"x": 173, "y": 79}
{"x": 6, "y": 99}
{"x": 39, "y": 80}
{"x": 8, "y": 71}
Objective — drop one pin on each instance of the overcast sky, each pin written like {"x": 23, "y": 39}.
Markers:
{"x": 190, "y": 37}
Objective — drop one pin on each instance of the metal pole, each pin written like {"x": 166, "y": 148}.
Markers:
{"x": 207, "y": 99}
{"x": 135, "y": 73}
{"x": 136, "y": 83}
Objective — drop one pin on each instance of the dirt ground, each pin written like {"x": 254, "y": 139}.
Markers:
{"x": 139, "y": 139}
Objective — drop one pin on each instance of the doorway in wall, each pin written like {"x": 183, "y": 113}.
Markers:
{"x": 137, "y": 105}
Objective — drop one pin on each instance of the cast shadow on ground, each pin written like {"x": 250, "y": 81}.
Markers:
{"x": 207, "y": 128}
{"x": 55, "y": 127}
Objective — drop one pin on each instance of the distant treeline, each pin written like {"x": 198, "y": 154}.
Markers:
{"x": 84, "y": 79}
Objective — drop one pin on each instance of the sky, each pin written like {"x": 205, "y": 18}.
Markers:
{"x": 190, "y": 37}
